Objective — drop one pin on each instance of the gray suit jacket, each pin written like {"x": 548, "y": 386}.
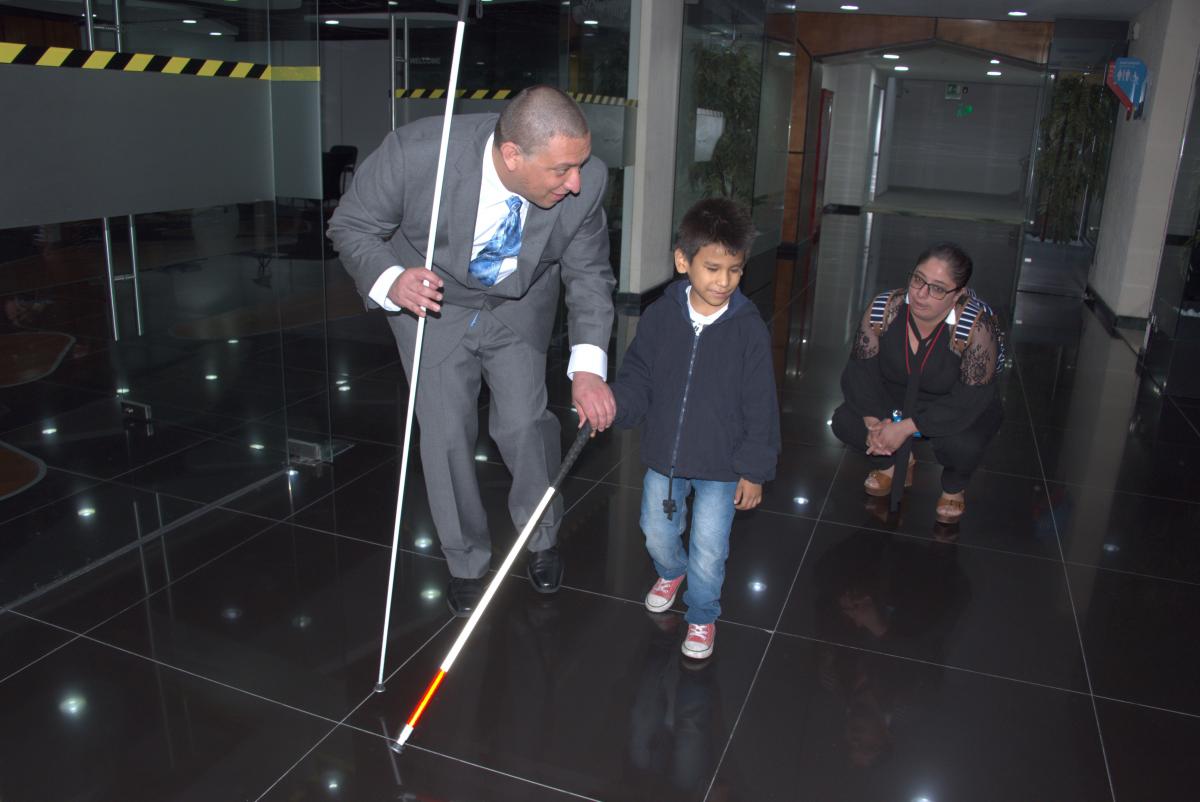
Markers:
{"x": 383, "y": 220}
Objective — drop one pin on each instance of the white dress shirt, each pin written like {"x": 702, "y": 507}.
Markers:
{"x": 493, "y": 208}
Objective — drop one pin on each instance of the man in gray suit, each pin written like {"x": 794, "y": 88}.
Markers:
{"x": 521, "y": 211}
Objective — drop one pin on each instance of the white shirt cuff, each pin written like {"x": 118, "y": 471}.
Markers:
{"x": 379, "y": 290}
{"x": 589, "y": 359}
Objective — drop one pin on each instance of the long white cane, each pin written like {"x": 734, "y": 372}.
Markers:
{"x": 572, "y": 454}
{"x": 416, "y": 361}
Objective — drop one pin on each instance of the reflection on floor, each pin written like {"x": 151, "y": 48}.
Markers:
{"x": 1044, "y": 649}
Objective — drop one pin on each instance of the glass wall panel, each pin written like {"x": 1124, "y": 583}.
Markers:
{"x": 734, "y": 110}
{"x": 162, "y": 274}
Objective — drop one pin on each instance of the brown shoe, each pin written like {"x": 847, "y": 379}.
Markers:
{"x": 879, "y": 484}
{"x": 951, "y": 507}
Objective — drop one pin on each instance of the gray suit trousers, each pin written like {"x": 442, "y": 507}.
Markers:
{"x": 527, "y": 434}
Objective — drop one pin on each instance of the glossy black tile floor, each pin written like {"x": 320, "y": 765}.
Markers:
{"x": 227, "y": 645}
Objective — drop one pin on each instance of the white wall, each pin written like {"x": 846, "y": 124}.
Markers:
{"x": 850, "y": 132}
{"x": 933, "y": 148}
{"x": 1145, "y": 160}
{"x": 659, "y": 26}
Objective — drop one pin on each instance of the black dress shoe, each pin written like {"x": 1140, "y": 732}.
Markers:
{"x": 545, "y": 570}
{"x": 463, "y": 595}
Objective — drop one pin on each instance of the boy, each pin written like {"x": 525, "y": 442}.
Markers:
{"x": 698, "y": 377}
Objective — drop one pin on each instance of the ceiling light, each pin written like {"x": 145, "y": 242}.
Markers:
{"x": 785, "y": 53}
{"x": 591, "y": 22}
{"x": 801, "y": 500}
{"x": 995, "y": 73}
{"x": 214, "y": 33}
{"x": 212, "y": 377}
{"x": 189, "y": 22}
{"x": 257, "y": 446}
{"x": 333, "y": 22}
{"x": 893, "y": 56}
{"x": 994, "y": 61}
{"x": 232, "y": 341}
{"x": 1018, "y": 14}
{"x": 122, "y": 391}
{"x": 344, "y": 388}
{"x": 849, "y": 8}
{"x": 900, "y": 68}
{"x": 50, "y": 430}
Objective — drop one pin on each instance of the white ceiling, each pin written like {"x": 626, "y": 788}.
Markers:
{"x": 1038, "y": 10}
{"x": 943, "y": 63}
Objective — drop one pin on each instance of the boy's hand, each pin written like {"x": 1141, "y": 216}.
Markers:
{"x": 747, "y": 496}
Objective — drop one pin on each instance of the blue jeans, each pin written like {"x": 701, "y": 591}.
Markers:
{"x": 712, "y": 516}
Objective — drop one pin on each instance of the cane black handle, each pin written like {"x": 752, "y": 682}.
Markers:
{"x": 585, "y": 432}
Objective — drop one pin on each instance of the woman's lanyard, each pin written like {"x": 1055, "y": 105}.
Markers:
{"x": 924, "y": 344}
{"x": 924, "y": 349}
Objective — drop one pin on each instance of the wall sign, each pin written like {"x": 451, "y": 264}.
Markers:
{"x": 1127, "y": 78}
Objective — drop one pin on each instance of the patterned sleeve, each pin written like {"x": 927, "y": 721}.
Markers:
{"x": 981, "y": 357}
{"x": 862, "y": 383}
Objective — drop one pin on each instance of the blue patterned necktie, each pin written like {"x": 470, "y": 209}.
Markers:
{"x": 505, "y": 243}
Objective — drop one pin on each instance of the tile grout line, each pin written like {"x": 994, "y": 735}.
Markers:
{"x": 774, "y": 631}
{"x": 1070, "y": 594}
{"x": 352, "y": 711}
{"x": 935, "y": 664}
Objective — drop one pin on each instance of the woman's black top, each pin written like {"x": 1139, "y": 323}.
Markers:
{"x": 957, "y": 382}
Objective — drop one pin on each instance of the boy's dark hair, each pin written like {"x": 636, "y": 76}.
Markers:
{"x": 716, "y": 221}
{"x": 954, "y": 256}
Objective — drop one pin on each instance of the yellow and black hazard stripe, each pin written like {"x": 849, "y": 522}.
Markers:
{"x": 36, "y": 55}
{"x": 502, "y": 94}
{"x": 463, "y": 94}
{"x": 603, "y": 100}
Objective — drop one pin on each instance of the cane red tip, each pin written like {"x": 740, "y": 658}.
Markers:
{"x": 412, "y": 722}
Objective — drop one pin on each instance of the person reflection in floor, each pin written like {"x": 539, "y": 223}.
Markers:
{"x": 673, "y": 734}
{"x": 895, "y": 595}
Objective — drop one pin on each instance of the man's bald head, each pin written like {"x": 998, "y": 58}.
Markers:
{"x": 538, "y": 114}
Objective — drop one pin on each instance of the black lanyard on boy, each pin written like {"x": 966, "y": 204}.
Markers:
{"x": 924, "y": 349}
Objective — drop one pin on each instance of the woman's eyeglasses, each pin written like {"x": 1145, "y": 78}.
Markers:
{"x": 938, "y": 292}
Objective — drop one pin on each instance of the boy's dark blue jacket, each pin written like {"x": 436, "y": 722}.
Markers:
{"x": 714, "y": 410}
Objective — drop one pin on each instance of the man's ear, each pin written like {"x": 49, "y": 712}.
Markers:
{"x": 512, "y": 154}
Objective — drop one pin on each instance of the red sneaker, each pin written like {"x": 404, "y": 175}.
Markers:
{"x": 699, "y": 641}
{"x": 662, "y": 595}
